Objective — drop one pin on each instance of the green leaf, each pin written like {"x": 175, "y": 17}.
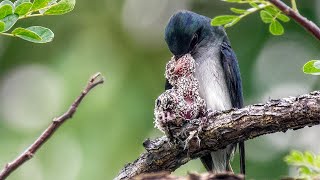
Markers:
{"x": 6, "y": 2}
{"x": 6, "y": 8}
{"x": 51, "y": 3}
{"x": 22, "y": 32}
{"x": 62, "y": 7}
{"x": 23, "y": 8}
{"x": 36, "y": 34}
{"x": 238, "y": 11}
{"x": 18, "y": 2}
{"x": 272, "y": 10}
{"x": 297, "y": 156}
{"x": 312, "y": 67}
{"x": 38, "y": 4}
{"x": 294, "y": 157}
{"x": 283, "y": 17}
{"x": 254, "y": 5}
{"x": 266, "y": 17}
{"x": 9, "y": 21}
{"x": 303, "y": 170}
{"x": 309, "y": 157}
{"x": 232, "y": 22}
{"x": 276, "y": 28}
{"x": 1, "y": 26}
{"x": 221, "y": 20}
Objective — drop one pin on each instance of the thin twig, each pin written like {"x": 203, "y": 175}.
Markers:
{"x": 30, "y": 15}
{"x": 224, "y": 128}
{"x": 56, "y": 123}
{"x": 303, "y": 21}
{"x": 6, "y": 34}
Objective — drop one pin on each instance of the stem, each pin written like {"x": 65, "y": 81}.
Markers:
{"x": 7, "y": 34}
{"x": 36, "y": 10}
{"x": 248, "y": 12}
{"x": 303, "y": 21}
{"x": 30, "y": 15}
{"x": 252, "y": 10}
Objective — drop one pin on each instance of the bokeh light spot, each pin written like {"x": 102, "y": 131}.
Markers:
{"x": 146, "y": 20}
{"x": 30, "y": 96}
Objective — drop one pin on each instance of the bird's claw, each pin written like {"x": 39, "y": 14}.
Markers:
{"x": 192, "y": 134}
{"x": 211, "y": 112}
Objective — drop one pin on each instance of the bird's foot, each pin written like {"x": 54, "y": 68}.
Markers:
{"x": 193, "y": 134}
{"x": 211, "y": 112}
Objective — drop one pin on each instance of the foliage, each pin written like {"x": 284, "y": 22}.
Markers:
{"x": 269, "y": 14}
{"x": 307, "y": 163}
{"x": 312, "y": 67}
{"x": 10, "y": 13}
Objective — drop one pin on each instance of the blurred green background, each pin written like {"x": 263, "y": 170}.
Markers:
{"x": 123, "y": 40}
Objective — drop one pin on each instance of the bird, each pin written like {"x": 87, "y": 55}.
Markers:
{"x": 216, "y": 70}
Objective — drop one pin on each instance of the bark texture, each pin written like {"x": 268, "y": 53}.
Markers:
{"x": 191, "y": 176}
{"x": 195, "y": 138}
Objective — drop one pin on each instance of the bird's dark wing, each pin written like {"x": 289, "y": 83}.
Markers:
{"x": 232, "y": 74}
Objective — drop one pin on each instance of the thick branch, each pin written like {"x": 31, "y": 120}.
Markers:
{"x": 304, "y": 22}
{"x": 191, "y": 176}
{"x": 56, "y": 123}
{"x": 222, "y": 129}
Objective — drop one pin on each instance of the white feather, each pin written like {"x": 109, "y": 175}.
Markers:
{"x": 213, "y": 89}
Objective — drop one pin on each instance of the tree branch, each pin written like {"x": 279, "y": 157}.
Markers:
{"x": 56, "y": 123}
{"x": 304, "y": 22}
{"x": 191, "y": 176}
{"x": 224, "y": 128}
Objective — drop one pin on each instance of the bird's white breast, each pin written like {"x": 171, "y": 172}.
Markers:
{"x": 213, "y": 89}
{"x": 212, "y": 85}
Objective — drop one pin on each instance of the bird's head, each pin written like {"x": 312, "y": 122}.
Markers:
{"x": 186, "y": 31}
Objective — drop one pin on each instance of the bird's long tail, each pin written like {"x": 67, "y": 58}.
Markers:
{"x": 219, "y": 161}
{"x": 242, "y": 158}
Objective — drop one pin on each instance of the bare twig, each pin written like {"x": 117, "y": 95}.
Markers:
{"x": 56, "y": 123}
{"x": 303, "y": 21}
{"x": 222, "y": 129}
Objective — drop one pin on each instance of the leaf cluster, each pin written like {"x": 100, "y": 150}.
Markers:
{"x": 307, "y": 163}
{"x": 268, "y": 13}
{"x": 11, "y": 12}
{"x": 312, "y": 67}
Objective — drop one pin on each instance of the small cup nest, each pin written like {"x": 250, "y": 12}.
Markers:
{"x": 181, "y": 103}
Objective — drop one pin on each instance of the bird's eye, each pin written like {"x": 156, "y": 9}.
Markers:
{"x": 194, "y": 41}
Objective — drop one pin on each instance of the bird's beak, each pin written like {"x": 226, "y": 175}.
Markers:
{"x": 176, "y": 57}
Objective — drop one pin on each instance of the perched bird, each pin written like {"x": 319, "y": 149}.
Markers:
{"x": 216, "y": 70}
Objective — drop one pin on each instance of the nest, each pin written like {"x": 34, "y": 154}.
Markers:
{"x": 177, "y": 107}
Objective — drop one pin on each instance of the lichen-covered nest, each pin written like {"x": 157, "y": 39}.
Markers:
{"x": 181, "y": 103}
